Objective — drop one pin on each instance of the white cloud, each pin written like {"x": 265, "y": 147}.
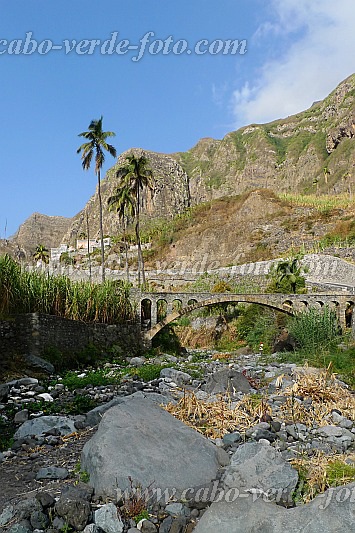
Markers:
{"x": 321, "y": 55}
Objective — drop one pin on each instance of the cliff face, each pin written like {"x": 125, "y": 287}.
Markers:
{"x": 310, "y": 152}
{"x": 41, "y": 229}
{"x": 170, "y": 195}
{"x": 313, "y": 151}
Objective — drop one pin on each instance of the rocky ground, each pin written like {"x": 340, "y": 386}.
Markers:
{"x": 253, "y": 417}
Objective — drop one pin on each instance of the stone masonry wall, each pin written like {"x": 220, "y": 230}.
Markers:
{"x": 35, "y": 333}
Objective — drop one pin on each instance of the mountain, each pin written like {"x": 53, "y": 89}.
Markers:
{"x": 171, "y": 196}
{"x": 310, "y": 152}
{"x": 41, "y": 229}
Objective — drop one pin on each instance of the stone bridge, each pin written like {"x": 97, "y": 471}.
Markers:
{"x": 156, "y": 310}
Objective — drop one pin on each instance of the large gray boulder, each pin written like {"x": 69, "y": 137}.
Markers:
{"x": 258, "y": 466}
{"x": 332, "y": 511}
{"x": 227, "y": 380}
{"x": 39, "y": 426}
{"x": 39, "y": 364}
{"x": 93, "y": 417}
{"x": 138, "y": 439}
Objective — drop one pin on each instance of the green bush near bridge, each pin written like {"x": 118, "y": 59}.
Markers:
{"x": 315, "y": 329}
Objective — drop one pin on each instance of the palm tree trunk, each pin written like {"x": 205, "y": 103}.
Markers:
{"x": 89, "y": 255}
{"x": 101, "y": 228}
{"x": 125, "y": 247}
{"x": 138, "y": 251}
{"x": 140, "y": 256}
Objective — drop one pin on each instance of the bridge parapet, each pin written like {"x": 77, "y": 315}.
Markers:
{"x": 180, "y": 303}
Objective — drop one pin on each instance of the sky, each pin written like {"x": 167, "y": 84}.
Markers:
{"x": 161, "y": 75}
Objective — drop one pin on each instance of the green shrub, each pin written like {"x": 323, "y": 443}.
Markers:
{"x": 149, "y": 372}
{"x": 258, "y": 324}
{"x": 314, "y": 329}
{"x": 96, "y": 378}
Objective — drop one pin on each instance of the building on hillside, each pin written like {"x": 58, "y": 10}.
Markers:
{"x": 82, "y": 244}
{"x": 57, "y": 252}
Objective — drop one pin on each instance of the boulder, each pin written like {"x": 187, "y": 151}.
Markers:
{"x": 258, "y": 466}
{"x": 227, "y": 381}
{"x": 332, "y": 511}
{"x": 76, "y": 512}
{"x": 107, "y": 520}
{"x": 179, "y": 377}
{"x": 38, "y": 363}
{"x": 52, "y": 472}
{"x": 137, "y": 439}
{"x": 39, "y": 426}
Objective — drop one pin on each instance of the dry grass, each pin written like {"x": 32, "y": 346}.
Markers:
{"x": 202, "y": 338}
{"x": 215, "y": 419}
{"x": 222, "y": 356}
{"x": 320, "y": 472}
{"x": 326, "y": 394}
{"x": 321, "y": 203}
{"x": 317, "y": 472}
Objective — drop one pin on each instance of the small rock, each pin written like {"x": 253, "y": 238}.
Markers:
{"x": 146, "y": 526}
{"x": 45, "y": 499}
{"x": 46, "y": 397}
{"x": 174, "y": 509}
{"x": 178, "y": 525}
{"x": 92, "y": 528}
{"x": 107, "y": 519}
{"x": 39, "y": 520}
{"x": 166, "y": 525}
{"x": 222, "y": 457}
{"x": 180, "y": 378}
{"x": 7, "y": 515}
{"x": 52, "y": 472}
{"x": 38, "y": 362}
{"x": 58, "y": 523}
{"x": 75, "y": 512}
{"x": 329, "y": 431}
{"x": 231, "y": 438}
{"x": 21, "y": 416}
{"x": 137, "y": 361}
{"x": 23, "y": 527}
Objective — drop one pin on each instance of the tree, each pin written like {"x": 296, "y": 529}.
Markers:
{"x": 41, "y": 254}
{"x": 136, "y": 176}
{"x": 288, "y": 276}
{"x": 124, "y": 203}
{"x": 95, "y": 148}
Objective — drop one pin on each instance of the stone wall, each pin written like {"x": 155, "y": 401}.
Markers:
{"x": 35, "y": 333}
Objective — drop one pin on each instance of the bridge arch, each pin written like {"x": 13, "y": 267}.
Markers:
{"x": 167, "y": 307}
{"x": 285, "y": 306}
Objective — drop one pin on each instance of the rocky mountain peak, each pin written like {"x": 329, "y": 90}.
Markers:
{"x": 309, "y": 152}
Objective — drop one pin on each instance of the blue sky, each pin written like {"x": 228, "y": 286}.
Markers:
{"x": 297, "y": 52}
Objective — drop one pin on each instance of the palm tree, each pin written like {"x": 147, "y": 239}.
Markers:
{"x": 290, "y": 271}
{"x": 124, "y": 203}
{"x": 95, "y": 148}
{"x": 136, "y": 176}
{"x": 41, "y": 254}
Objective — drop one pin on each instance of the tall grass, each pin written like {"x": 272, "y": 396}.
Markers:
{"x": 323, "y": 204}
{"x": 314, "y": 329}
{"x": 30, "y": 292}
